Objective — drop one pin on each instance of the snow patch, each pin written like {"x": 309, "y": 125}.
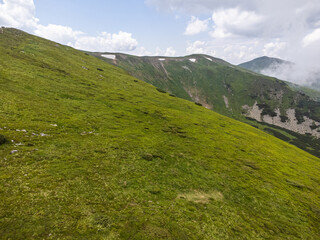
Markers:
{"x": 110, "y": 56}
{"x": 161, "y": 59}
{"x": 208, "y": 59}
{"x": 192, "y": 60}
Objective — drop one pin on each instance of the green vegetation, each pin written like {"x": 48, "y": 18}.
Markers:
{"x": 100, "y": 155}
{"x": 306, "y": 142}
{"x": 224, "y": 88}
{"x": 263, "y": 63}
{"x": 2, "y": 140}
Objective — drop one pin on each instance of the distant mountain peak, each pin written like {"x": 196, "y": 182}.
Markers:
{"x": 263, "y": 63}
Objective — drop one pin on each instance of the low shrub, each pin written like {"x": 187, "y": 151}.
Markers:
{"x": 313, "y": 126}
{"x": 3, "y": 140}
{"x": 268, "y": 111}
{"x": 263, "y": 105}
{"x": 284, "y": 118}
{"x": 277, "y": 134}
{"x": 160, "y": 90}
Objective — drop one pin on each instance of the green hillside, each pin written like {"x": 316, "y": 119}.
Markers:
{"x": 231, "y": 90}
{"x": 89, "y": 152}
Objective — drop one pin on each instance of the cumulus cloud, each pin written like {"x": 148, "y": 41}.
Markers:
{"x": 225, "y": 49}
{"x": 18, "y": 14}
{"x": 196, "y": 26}
{"x": 274, "y": 48}
{"x": 105, "y": 42}
{"x": 170, "y": 52}
{"x": 200, "y": 47}
{"x": 21, "y": 14}
{"x": 233, "y": 21}
{"x": 243, "y": 29}
{"x": 141, "y": 51}
{"x": 58, "y": 33}
{"x": 122, "y": 41}
{"x": 196, "y": 47}
{"x": 311, "y": 38}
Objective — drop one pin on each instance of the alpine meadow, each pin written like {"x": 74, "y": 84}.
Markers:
{"x": 146, "y": 120}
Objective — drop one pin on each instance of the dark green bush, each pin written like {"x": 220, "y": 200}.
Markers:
{"x": 3, "y": 140}
{"x": 160, "y": 90}
{"x": 313, "y": 126}
{"x": 284, "y": 118}
{"x": 299, "y": 116}
{"x": 263, "y": 105}
{"x": 277, "y": 134}
{"x": 199, "y": 104}
{"x": 268, "y": 111}
{"x": 251, "y": 119}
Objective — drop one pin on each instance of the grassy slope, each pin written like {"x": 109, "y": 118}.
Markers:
{"x": 128, "y": 162}
{"x": 208, "y": 81}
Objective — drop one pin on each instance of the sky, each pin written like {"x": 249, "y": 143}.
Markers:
{"x": 234, "y": 30}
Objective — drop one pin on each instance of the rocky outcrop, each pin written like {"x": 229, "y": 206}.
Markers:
{"x": 290, "y": 122}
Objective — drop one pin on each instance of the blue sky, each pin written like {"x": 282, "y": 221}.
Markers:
{"x": 95, "y": 16}
{"x": 149, "y": 26}
{"x": 234, "y": 30}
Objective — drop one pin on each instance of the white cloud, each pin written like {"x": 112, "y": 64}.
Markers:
{"x": 200, "y": 47}
{"x": 239, "y": 52}
{"x": 158, "y": 52}
{"x": 233, "y": 21}
{"x": 244, "y": 29}
{"x": 196, "y": 47}
{"x": 21, "y": 14}
{"x": 196, "y": 26}
{"x": 235, "y": 53}
{"x": 141, "y": 51}
{"x": 273, "y": 49}
{"x": 311, "y": 38}
{"x": 170, "y": 52}
{"x": 107, "y": 42}
{"x": 18, "y": 14}
{"x": 58, "y": 33}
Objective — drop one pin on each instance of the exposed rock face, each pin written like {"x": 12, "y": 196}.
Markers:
{"x": 291, "y": 123}
{"x": 226, "y": 101}
{"x": 253, "y": 112}
{"x": 186, "y": 68}
{"x": 196, "y": 96}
